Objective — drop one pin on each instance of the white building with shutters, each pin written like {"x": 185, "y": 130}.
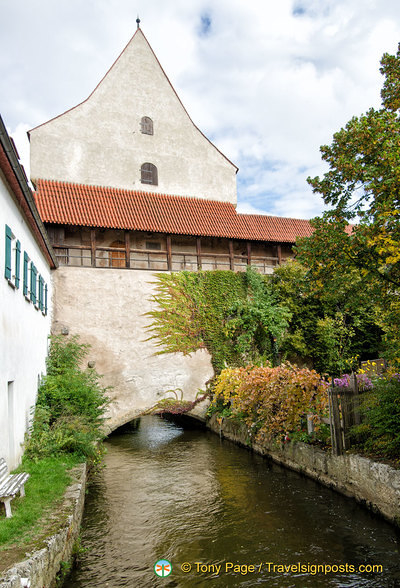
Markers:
{"x": 26, "y": 258}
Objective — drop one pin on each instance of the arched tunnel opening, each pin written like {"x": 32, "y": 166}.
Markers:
{"x": 186, "y": 421}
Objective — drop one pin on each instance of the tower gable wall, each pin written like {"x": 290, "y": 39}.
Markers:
{"x": 100, "y": 141}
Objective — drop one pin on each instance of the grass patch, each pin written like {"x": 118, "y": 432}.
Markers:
{"x": 48, "y": 481}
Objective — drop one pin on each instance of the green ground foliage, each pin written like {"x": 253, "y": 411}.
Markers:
{"x": 45, "y": 487}
{"x": 379, "y": 432}
{"x": 70, "y": 406}
{"x": 236, "y": 317}
{"x": 66, "y": 429}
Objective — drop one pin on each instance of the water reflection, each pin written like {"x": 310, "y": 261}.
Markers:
{"x": 188, "y": 497}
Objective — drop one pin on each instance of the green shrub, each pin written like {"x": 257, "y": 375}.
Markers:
{"x": 272, "y": 401}
{"x": 380, "y": 431}
{"x": 70, "y": 406}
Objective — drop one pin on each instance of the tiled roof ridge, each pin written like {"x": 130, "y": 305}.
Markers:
{"x": 132, "y": 191}
{"x": 69, "y": 203}
{"x": 117, "y": 190}
{"x": 305, "y": 220}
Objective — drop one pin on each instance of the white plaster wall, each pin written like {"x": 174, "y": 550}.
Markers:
{"x": 107, "y": 307}
{"x": 99, "y": 141}
{"x": 24, "y": 335}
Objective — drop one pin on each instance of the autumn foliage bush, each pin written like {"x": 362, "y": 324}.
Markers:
{"x": 272, "y": 401}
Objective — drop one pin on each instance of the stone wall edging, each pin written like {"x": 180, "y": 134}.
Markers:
{"x": 42, "y": 566}
{"x": 375, "y": 485}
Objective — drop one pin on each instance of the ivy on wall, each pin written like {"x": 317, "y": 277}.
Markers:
{"x": 234, "y": 316}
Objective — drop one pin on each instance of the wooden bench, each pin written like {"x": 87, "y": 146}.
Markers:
{"x": 10, "y": 485}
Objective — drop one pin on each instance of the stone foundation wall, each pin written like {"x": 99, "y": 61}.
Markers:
{"x": 375, "y": 485}
{"x": 40, "y": 568}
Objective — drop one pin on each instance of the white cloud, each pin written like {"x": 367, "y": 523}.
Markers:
{"x": 268, "y": 84}
{"x": 248, "y": 208}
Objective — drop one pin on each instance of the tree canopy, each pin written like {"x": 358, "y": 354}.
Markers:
{"x": 359, "y": 237}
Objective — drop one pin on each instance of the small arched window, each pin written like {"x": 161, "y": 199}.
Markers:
{"x": 146, "y": 125}
{"x": 148, "y": 174}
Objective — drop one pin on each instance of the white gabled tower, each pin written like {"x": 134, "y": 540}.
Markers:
{"x": 133, "y": 132}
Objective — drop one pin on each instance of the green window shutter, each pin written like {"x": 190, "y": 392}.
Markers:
{"x": 45, "y": 299}
{"x": 41, "y": 282}
{"x": 7, "y": 272}
{"x": 17, "y": 263}
{"x": 25, "y": 274}
{"x": 33, "y": 282}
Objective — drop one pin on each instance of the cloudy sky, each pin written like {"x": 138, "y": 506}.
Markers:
{"x": 268, "y": 81}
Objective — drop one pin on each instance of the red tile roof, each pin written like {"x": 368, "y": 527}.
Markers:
{"x": 114, "y": 208}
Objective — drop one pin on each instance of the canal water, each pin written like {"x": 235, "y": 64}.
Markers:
{"x": 222, "y": 516}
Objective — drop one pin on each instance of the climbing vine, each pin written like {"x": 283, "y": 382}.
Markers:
{"x": 234, "y": 316}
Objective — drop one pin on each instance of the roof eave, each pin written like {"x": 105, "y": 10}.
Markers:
{"x": 25, "y": 196}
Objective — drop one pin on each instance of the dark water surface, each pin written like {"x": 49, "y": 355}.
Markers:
{"x": 188, "y": 497}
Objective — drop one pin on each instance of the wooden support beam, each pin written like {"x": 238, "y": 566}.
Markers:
{"x": 169, "y": 253}
{"x": 127, "y": 249}
{"x": 93, "y": 247}
{"x": 248, "y": 253}
{"x": 231, "y": 257}
{"x": 198, "y": 251}
{"x": 279, "y": 253}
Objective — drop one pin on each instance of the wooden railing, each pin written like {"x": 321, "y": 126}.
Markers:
{"x": 156, "y": 260}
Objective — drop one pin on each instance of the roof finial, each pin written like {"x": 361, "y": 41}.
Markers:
{"x": 138, "y": 22}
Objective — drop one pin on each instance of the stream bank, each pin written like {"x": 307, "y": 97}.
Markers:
{"x": 375, "y": 485}
{"x": 41, "y": 566}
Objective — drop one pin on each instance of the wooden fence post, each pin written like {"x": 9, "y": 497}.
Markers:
{"x": 356, "y": 401}
{"x": 346, "y": 405}
{"x": 336, "y": 429}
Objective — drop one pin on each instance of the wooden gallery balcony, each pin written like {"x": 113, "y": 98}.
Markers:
{"x": 104, "y": 227}
{"x": 159, "y": 252}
